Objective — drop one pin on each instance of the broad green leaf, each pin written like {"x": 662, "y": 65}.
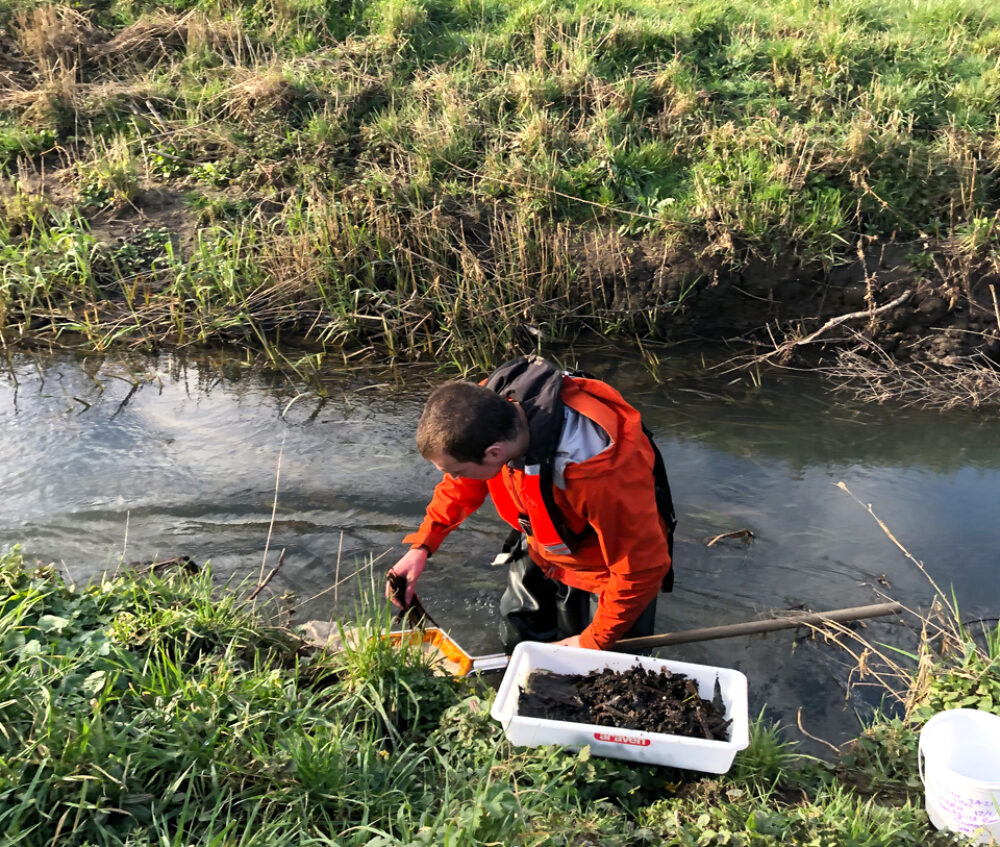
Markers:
{"x": 94, "y": 682}
{"x": 32, "y": 648}
{"x": 52, "y": 623}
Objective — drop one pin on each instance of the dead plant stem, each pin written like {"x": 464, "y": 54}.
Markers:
{"x": 367, "y": 566}
{"x": 920, "y": 565}
{"x": 802, "y": 729}
{"x": 263, "y": 583}
{"x": 274, "y": 511}
{"x": 336, "y": 575}
{"x": 834, "y": 322}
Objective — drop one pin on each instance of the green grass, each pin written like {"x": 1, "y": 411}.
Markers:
{"x": 163, "y": 710}
{"x": 449, "y": 178}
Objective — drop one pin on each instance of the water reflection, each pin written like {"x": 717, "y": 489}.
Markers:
{"x": 146, "y": 458}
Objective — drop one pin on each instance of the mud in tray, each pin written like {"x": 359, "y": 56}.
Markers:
{"x": 623, "y": 733}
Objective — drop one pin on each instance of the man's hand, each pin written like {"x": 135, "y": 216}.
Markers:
{"x": 409, "y": 567}
{"x": 572, "y": 641}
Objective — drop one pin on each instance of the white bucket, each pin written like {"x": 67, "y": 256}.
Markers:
{"x": 959, "y": 757}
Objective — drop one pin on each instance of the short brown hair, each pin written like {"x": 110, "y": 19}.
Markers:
{"x": 461, "y": 419}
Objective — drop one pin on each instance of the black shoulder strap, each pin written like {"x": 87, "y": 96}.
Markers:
{"x": 537, "y": 385}
{"x": 664, "y": 505}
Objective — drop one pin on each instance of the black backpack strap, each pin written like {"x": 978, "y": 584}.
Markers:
{"x": 537, "y": 384}
{"x": 664, "y": 505}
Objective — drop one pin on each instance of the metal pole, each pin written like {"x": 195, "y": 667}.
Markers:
{"x": 498, "y": 661}
{"x": 854, "y": 613}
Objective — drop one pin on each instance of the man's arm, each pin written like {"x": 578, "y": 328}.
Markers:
{"x": 454, "y": 499}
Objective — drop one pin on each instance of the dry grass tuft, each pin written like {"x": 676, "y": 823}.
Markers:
{"x": 15, "y": 68}
{"x": 48, "y": 106}
{"x": 259, "y": 92}
{"x": 872, "y": 375}
{"x": 148, "y": 40}
{"x": 225, "y": 36}
{"x": 20, "y": 208}
{"x": 63, "y": 100}
{"x": 54, "y": 38}
{"x": 159, "y": 36}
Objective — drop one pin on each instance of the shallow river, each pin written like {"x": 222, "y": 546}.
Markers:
{"x": 104, "y": 460}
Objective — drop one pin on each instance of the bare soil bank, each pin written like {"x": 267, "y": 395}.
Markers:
{"x": 915, "y": 322}
{"x": 944, "y": 305}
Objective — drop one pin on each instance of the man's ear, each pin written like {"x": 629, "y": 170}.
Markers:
{"x": 493, "y": 453}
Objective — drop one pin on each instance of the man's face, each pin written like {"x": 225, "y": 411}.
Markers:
{"x": 487, "y": 468}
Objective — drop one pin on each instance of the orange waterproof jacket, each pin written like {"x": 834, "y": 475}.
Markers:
{"x": 625, "y": 558}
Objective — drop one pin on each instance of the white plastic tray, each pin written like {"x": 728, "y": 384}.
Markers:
{"x": 652, "y": 748}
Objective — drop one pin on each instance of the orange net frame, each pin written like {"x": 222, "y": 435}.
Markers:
{"x": 438, "y": 639}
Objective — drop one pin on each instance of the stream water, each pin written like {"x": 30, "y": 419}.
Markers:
{"x": 104, "y": 460}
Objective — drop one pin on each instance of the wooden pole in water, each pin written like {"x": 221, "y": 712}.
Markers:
{"x": 855, "y": 613}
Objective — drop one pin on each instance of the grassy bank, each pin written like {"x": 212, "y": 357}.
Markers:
{"x": 156, "y": 710}
{"x": 447, "y": 179}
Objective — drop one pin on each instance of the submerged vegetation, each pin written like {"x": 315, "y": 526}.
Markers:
{"x": 449, "y": 179}
{"x": 159, "y": 709}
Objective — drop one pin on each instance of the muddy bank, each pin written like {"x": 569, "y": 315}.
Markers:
{"x": 917, "y": 302}
{"x": 917, "y": 322}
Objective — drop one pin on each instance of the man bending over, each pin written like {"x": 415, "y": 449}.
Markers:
{"x": 570, "y": 467}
